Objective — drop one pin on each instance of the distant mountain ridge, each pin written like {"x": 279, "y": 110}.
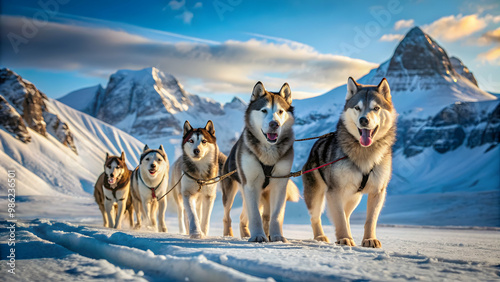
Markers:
{"x": 147, "y": 103}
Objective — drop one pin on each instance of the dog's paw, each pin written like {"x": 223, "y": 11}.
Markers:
{"x": 346, "y": 242}
{"x": 196, "y": 236}
{"x": 372, "y": 243}
{"x": 137, "y": 227}
{"x": 163, "y": 229}
{"x": 278, "y": 238}
{"x": 258, "y": 239}
{"x": 229, "y": 232}
{"x": 322, "y": 238}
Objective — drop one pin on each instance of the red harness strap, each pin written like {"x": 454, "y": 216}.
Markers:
{"x": 313, "y": 169}
{"x": 153, "y": 194}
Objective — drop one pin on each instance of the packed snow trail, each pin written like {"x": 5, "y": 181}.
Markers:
{"x": 60, "y": 250}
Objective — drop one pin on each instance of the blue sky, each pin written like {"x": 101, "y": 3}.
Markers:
{"x": 220, "y": 48}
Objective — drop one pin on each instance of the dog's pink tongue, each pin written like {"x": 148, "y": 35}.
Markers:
{"x": 366, "y": 137}
{"x": 272, "y": 136}
{"x": 111, "y": 180}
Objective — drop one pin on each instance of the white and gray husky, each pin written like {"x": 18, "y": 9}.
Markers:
{"x": 365, "y": 134}
{"x": 149, "y": 187}
{"x": 200, "y": 159}
{"x": 265, "y": 148}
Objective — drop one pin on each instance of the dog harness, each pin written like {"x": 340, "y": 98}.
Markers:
{"x": 364, "y": 180}
{"x": 268, "y": 169}
{"x": 107, "y": 186}
{"x": 153, "y": 189}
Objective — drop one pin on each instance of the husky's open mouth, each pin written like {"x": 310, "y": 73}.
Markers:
{"x": 366, "y": 138}
{"x": 271, "y": 137}
{"x": 152, "y": 171}
{"x": 111, "y": 180}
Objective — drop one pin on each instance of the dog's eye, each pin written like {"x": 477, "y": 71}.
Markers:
{"x": 280, "y": 112}
{"x": 376, "y": 108}
{"x": 159, "y": 160}
{"x": 191, "y": 141}
{"x": 357, "y": 108}
{"x": 147, "y": 159}
{"x": 204, "y": 141}
{"x": 109, "y": 166}
{"x": 264, "y": 111}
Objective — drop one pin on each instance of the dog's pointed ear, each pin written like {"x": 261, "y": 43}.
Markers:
{"x": 286, "y": 93}
{"x": 258, "y": 91}
{"x": 107, "y": 156}
{"x": 161, "y": 149}
{"x": 187, "y": 127}
{"x": 122, "y": 156}
{"x": 145, "y": 148}
{"x": 352, "y": 88}
{"x": 210, "y": 128}
{"x": 384, "y": 89}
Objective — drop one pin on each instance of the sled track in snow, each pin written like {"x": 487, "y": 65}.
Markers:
{"x": 176, "y": 257}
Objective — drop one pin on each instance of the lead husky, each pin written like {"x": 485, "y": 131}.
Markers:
{"x": 200, "y": 159}
{"x": 265, "y": 148}
{"x": 112, "y": 192}
{"x": 149, "y": 187}
{"x": 365, "y": 134}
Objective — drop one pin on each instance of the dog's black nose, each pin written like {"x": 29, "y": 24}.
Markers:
{"x": 363, "y": 121}
{"x": 273, "y": 125}
{"x": 153, "y": 165}
{"x": 112, "y": 175}
{"x": 196, "y": 151}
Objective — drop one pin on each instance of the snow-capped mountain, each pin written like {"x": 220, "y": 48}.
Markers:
{"x": 44, "y": 164}
{"x": 152, "y": 106}
{"x": 23, "y": 103}
{"x": 448, "y": 134}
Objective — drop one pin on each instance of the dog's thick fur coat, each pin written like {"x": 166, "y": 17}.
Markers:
{"x": 112, "y": 192}
{"x": 365, "y": 134}
{"x": 201, "y": 159}
{"x": 265, "y": 148}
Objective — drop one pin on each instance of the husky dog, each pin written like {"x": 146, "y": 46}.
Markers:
{"x": 112, "y": 190}
{"x": 365, "y": 134}
{"x": 200, "y": 159}
{"x": 149, "y": 187}
{"x": 265, "y": 148}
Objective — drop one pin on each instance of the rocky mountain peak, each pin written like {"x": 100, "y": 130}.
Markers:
{"x": 462, "y": 69}
{"x": 31, "y": 107}
{"x": 420, "y": 53}
{"x": 236, "y": 103}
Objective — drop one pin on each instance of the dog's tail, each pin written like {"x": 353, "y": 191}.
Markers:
{"x": 292, "y": 192}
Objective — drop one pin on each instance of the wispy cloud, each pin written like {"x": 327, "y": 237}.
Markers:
{"x": 490, "y": 37}
{"x": 491, "y": 56}
{"x": 185, "y": 14}
{"x": 452, "y": 28}
{"x": 404, "y": 24}
{"x": 391, "y": 37}
{"x": 231, "y": 67}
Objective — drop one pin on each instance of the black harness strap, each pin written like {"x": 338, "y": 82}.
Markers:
{"x": 268, "y": 169}
{"x": 364, "y": 181}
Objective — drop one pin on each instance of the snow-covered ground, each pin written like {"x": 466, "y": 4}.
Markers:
{"x": 67, "y": 242}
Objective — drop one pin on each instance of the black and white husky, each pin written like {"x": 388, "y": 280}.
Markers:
{"x": 200, "y": 159}
{"x": 265, "y": 148}
{"x": 149, "y": 187}
{"x": 365, "y": 134}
